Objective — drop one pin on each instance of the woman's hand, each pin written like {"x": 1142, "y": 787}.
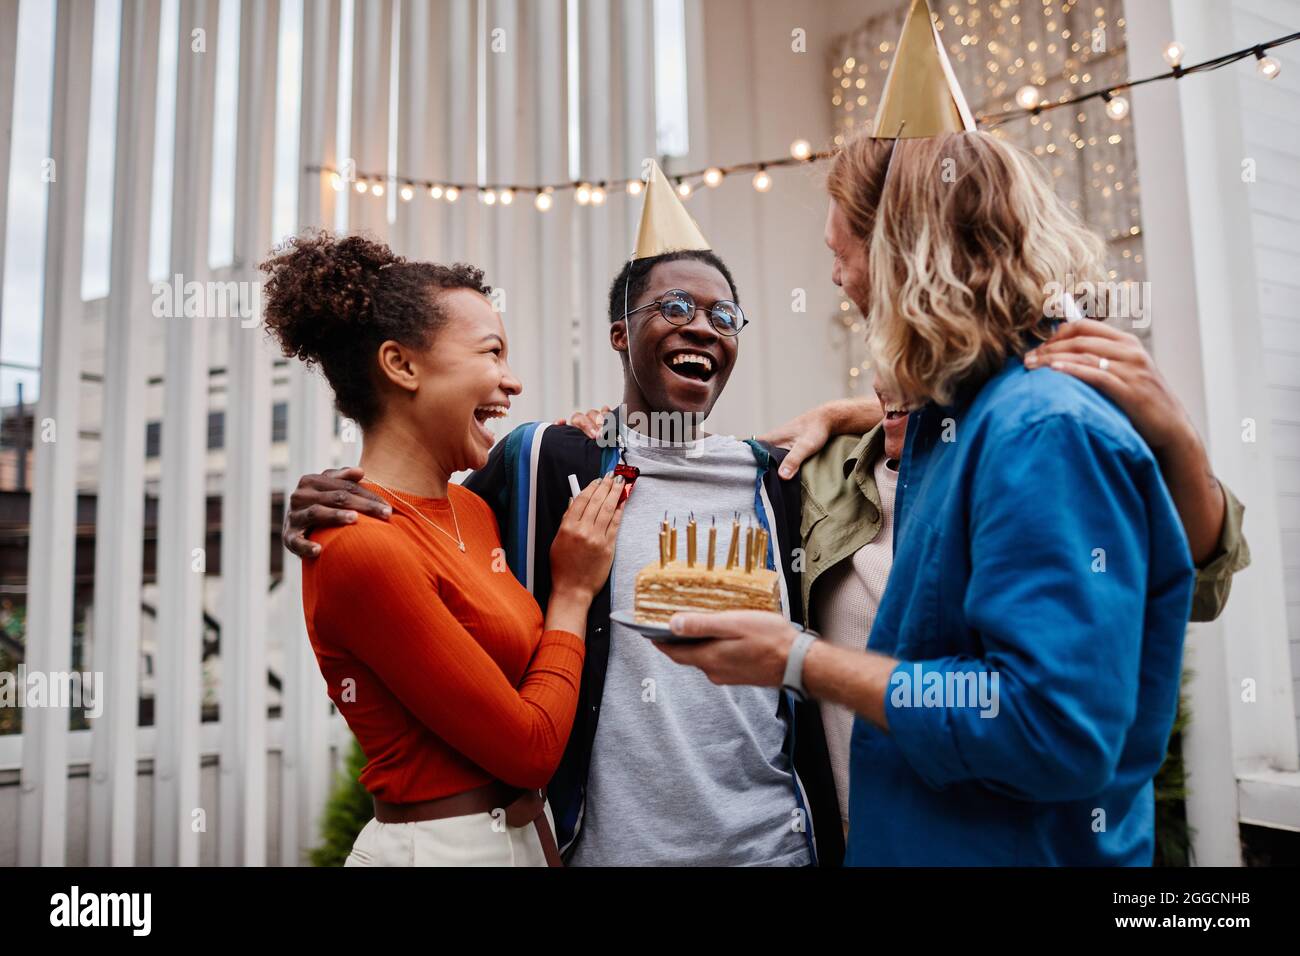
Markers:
{"x": 1115, "y": 363}
{"x": 326, "y": 500}
{"x": 583, "y": 549}
{"x": 751, "y": 649}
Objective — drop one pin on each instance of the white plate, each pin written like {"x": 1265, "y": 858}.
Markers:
{"x": 661, "y": 632}
{"x": 656, "y": 632}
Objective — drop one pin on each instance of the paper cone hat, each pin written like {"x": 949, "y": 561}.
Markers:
{"x": 666, "y": 226}
{"x": 921, "y": 95}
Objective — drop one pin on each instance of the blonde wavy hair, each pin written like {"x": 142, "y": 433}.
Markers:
{"x": 963, "y": 263}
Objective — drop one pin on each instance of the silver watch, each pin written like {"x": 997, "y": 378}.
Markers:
{"x": 793, "y": 679}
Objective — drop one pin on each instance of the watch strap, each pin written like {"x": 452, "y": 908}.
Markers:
{"x": 793, "y": 679}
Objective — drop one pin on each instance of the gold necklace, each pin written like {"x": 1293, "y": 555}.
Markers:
{"x": 460, "y": 542}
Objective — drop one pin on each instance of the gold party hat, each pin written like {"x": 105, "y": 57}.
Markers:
{"x": 666, "y": 226}
{"x": 921, "y": 95}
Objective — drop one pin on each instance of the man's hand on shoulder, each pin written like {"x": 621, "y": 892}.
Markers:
{"x": 330, "y": 499}
{"x": 805, "y": 435}
{"x": 589, "y": 423}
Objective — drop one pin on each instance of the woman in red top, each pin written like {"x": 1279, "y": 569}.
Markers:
{"x": 460, "y": 695}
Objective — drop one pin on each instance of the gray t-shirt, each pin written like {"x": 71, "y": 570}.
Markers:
{"x": 683, "y": 771}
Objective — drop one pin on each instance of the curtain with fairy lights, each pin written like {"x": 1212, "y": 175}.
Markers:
{"x": 1006, "y": 56}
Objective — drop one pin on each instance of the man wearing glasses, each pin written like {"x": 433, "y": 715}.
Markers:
{"x": 663, "y": 767}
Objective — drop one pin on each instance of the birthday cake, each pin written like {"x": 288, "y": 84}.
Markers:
{"x": 667, "y": 586}
{"x": 663, "y": 591}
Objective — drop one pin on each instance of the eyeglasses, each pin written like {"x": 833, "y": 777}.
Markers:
{"x": 679, "y": 309}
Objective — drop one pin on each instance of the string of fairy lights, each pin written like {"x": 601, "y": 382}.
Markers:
{"x": 1029, "y": 103}
{"x": 585, "y": 192}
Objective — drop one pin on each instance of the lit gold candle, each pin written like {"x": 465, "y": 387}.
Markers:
{"x": 733, "y": 553}
{"x": 663, "y": 548}
{"x": 760, "y": 549}
{"x": 749, "y": 549}
{"x": 713, "y": 538}
{"x": 690, "y": 541}
{"x": 672, "y": 542}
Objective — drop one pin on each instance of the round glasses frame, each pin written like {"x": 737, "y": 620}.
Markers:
{"x": 680, "y": 297}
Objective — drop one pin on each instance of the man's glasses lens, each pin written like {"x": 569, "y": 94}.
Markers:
{"x": 679, "y": 308}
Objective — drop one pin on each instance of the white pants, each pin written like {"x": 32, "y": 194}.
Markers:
{"x": 476, "y": 839}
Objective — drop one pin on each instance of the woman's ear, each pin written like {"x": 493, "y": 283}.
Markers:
{"x": 618, "y": 335}
{"x": 395, "y": 364}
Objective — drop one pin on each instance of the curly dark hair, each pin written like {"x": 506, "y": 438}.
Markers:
{"x": 636, "y": 275}
{"x": 332, "y": 300}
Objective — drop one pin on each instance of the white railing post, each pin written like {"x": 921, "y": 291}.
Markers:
{"x": 119, "y": 517}
{"x": 507, "y": 54}
{"x": 600, "y": 253}
{"x": 8, "y": 69}
{"x": 551, "y": 235}
{"x": 371, "y": 63}
{"x": 463, "y": 53}
{"x": 245, "y": 536}
{"x": 182, "y": 497}
{"x": 422, "y": 131}
{"x": 43, "y": 801}
{"x": 304, "y": 756}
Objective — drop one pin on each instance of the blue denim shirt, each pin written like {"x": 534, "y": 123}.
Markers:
{"x": 1037, "y": 604}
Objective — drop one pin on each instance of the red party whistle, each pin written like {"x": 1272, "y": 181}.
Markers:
{"x": 629, "y": 474}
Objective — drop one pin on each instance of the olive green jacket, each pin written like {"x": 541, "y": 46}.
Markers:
{"x": 841, "y": 513}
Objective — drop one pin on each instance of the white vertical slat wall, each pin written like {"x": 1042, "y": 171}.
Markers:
{"x": 422, "y": 134}
{"x": 463, "y": 50}
{"x": 1270, "y": 121}
{"x": 371, "y": 79}
{"x": 182, "y": 518}
{"x": 119, "y": 528}
{"x": 43, "y": 800}
{"x": 8, "y": 68}
{"x": 245, "y": 500}
{"x": 503, "y": 50}
{"x": 546, "y": 241}
{"x": 304, "y": 765}
{"x": 598, "y": 378}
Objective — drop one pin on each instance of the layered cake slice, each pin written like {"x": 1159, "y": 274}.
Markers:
{"x": 663, "y": 591}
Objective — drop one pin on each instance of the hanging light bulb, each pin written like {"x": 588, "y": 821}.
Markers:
{"x": 1267, "y": 66}
{"x": 336, "y": 181}
{"x": 451, "y": 194}
{"x": 1173, "y": 53}
{"x": 406, "y": 193}
{"x": 683, "y": 188}
{"x": 712, "y": 176}
{"x": 582, "y": 194}
{"x": 507, "y": 197}
{"x": 762, "y": 180}
{"x": 634, "y": 187}
{"x": 377, "y": 189}
{"x": 488, "y": 196}
{"x": 801, "y": 149}
{"x": 544, "y": 201}
{"x": 598, "y": 196}
{"x": 435, "y": 192}
{"x": 1027, "y": 97}
{"x": 361, "y": 186}
{"x": 1116, "y": 106}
